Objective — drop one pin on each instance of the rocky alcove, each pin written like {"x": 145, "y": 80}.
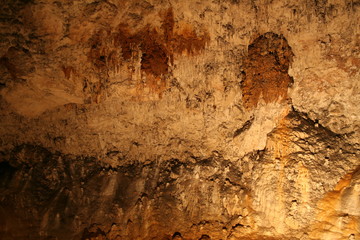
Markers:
{"x": 214, "y": 119}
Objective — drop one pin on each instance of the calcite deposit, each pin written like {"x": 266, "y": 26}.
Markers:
{"x": 153, "y": 119}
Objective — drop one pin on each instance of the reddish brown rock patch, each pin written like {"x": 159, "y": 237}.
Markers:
{"x": 68, "y": 71}
{"x": 4, "y": 61}
{"x": 266, "y": 69}
{"x": 17, "y": 62}
{"x": 156, "y": 46}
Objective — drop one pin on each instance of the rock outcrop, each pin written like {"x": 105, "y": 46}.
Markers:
{"x": 214, "y": 119}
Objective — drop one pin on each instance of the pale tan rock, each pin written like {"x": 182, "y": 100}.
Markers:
{"x": 139, "y": 119}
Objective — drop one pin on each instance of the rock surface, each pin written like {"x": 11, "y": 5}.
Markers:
{"x": 214, "y": 119}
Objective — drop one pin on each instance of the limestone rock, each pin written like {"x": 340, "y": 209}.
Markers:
{"x": 152, "y": 119}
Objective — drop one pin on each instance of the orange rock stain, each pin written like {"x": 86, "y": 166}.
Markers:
{"x": 155, "y": 47}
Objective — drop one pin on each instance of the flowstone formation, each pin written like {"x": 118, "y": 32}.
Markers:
{"x": 216, "y": 119}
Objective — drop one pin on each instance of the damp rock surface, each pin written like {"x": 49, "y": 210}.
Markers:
{"x": 214, "y": 119}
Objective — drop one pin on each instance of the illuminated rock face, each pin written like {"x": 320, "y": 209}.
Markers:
{"x": 180, "y": 120}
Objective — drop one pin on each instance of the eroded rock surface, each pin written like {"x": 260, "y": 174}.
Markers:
{"x": 266, "y": 70}
{"x": 179, "y": 119}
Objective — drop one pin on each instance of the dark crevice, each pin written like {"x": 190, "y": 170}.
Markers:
{"x": 244, "y": 127}
{"x": 6, "y": 173}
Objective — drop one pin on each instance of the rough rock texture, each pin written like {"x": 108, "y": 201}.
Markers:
{"x": 266, "y": 70}
{"x": 214, "y": 119}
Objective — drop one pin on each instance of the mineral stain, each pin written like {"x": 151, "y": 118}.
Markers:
{"x": 266, "y": 70}
{"x": 157, "y": 47}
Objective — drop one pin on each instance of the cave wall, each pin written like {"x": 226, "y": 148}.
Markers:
{"x": 222, "y": 119}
